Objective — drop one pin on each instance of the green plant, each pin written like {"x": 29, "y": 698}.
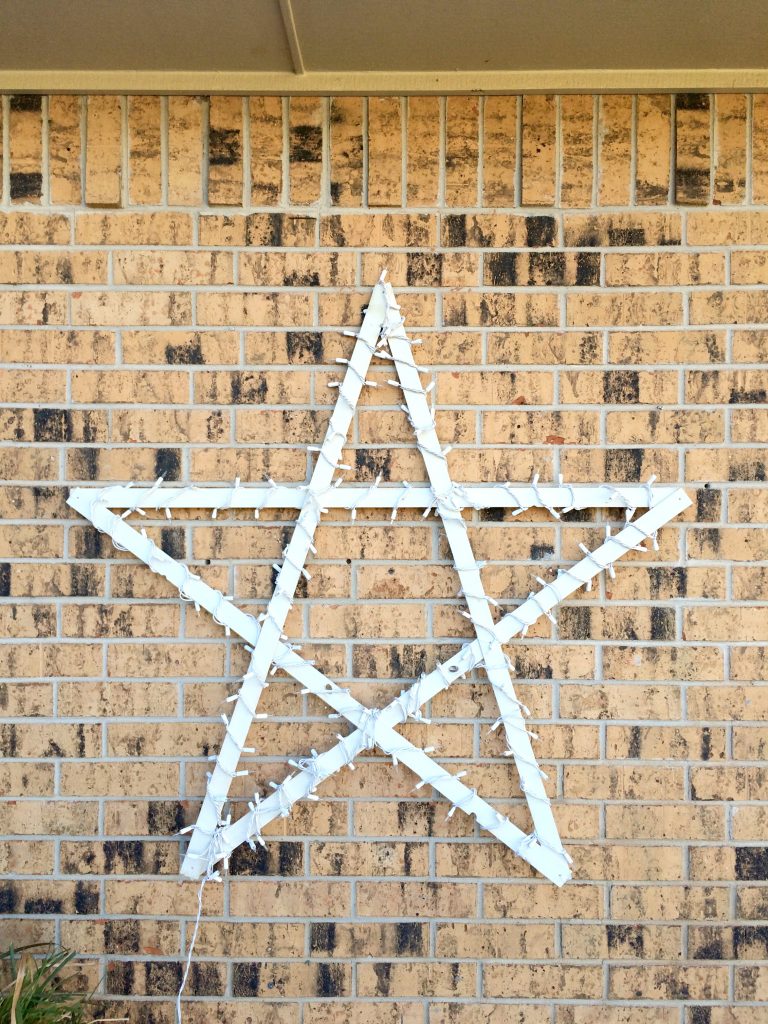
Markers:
{"x": 37, "y": 991}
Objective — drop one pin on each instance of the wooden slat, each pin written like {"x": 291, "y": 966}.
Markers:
{"x": 26, "y": 158}
{"x": 692, "y": 150}
{"x": 145, "y": 178}
{"x": 346, "y": 127}
{"x": 423, "y": 143}
{"x": 654, "y": 149}
{"x": 760, "y": 149}
{"x": 539, "y": 150}
{"x": 462, "y": 147}
{"x": 499, "y": 150}
{"x": 225, "y": 151}
{"x": 730, "y": 185}
{"x": 64, "y": 149}
{"x": 266, "y": 119}
{"x": 385, "y": 151}
{"x": 185, "y": 149}
{"x": 306, "y": 149}
{"x": 104, "y": 151}
{"x": 615, "y": 151}
{"x": 577, "y": 159}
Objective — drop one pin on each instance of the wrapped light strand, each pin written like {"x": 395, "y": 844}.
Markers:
{"x": 383, "y": 326}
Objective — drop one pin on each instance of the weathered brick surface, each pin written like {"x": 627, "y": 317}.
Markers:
{"x": 588, "y": 277}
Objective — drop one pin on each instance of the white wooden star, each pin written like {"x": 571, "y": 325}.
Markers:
{"x": 382, "y": 335}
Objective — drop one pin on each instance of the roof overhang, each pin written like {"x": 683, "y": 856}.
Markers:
{"x": 366, "y": 46}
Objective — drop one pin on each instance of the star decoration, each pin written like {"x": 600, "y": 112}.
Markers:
{"x": 382, "y": 335}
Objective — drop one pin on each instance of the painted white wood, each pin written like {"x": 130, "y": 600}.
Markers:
{"x": 212, "y": 839}
{"x": 350, "y": 496}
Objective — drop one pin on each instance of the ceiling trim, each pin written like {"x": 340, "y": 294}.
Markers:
{"x": 393, "y": 83}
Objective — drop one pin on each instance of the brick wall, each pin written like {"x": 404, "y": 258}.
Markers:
{"x": 588, "y": 276}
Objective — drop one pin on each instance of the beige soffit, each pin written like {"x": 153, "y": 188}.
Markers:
{"x": 381, "y": 46}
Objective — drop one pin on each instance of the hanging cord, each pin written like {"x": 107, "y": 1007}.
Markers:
{"x": 211, "y": 875}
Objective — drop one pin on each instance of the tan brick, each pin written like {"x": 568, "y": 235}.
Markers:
{"x": 652, "y": 174}
{"x": 678, "y": 426}
{"x": 314, "y": 898}
{"x": 692, "y": 144}
{"x": 378, "y": 230}
{"x": 665, "y": 269}
{"x": 676, "y": 347}
{"x": 687, "y": 743}
{"x": 297, "y": 269}
{"x": 48, "y": 817}
{"x": 48, "y": 268}
{"x": 305, "y": 140}
{"x": 669, "y": 903}
{"x": 359, "y": 1012}
{"x": 727, "y": 307}
{"x": 34, "y": 229}
{"x": 64, "y": 149}
{"x": 542, "y": 268}
{"x": 543, "y": 981}
{"x": 636, "y": 821}
{"x": 133, "y": 229}
{"x": 539, "y": 150}
{"x": 730, "y": 148}
{"x": 90, "y": 936}
{"x": 499, "y": 149}
{"x": 20, "y": 346}
{"x": 495, "y": 309}
{"x": 225, "y": 151}
{"x": 131, "y": 308}
{"x": 18, "y": 307}
{"x": 721, "y": 703}
{"x": 33, "y": 386}
{"x": 172, "y": 268}
{"x": 340, "y": 309}
{"x": 416, "y": 899}
{"x": 346, "y": 150}
{"x": 622, "y": 783}
{"x": 26, "y": 858}
{"x": 268, "y": 309}
{"x": 737, "y": 624}
{"x": 498, "y": 230}
{"x": 538, "y": 428}
{"x": 576, "y": 157}
{"x": 479, "y": 1012}
{"x": 727, "y": 227}
{"x": 604, "y": 701}
{"x": 103, "y": 155}
{"x": 423, "y": 140}
{"x": 623, "y": 229}
{"x": 169, "y": 659}
{"x": 434, "y": 979}
{"x": 667, "y": 982}
{"x": 461, "y": 150}
{"x": 618, "y": 387}
{"x": 142, "y": 386}
{"x": 185, "y": 150}
{"x": 621, "y": 309}
{"x": 614, "y": 149}
{"x": 573, "y": 347}
{"x": 576, "y": 901}
{"x": 26, "y": 148}
{"x": 535, "y": 941}
{"x": 144, "y": 165}
{"x": 266, "y": 131}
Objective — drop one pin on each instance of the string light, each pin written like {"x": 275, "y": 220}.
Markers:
{"x": 216, "y": 837}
